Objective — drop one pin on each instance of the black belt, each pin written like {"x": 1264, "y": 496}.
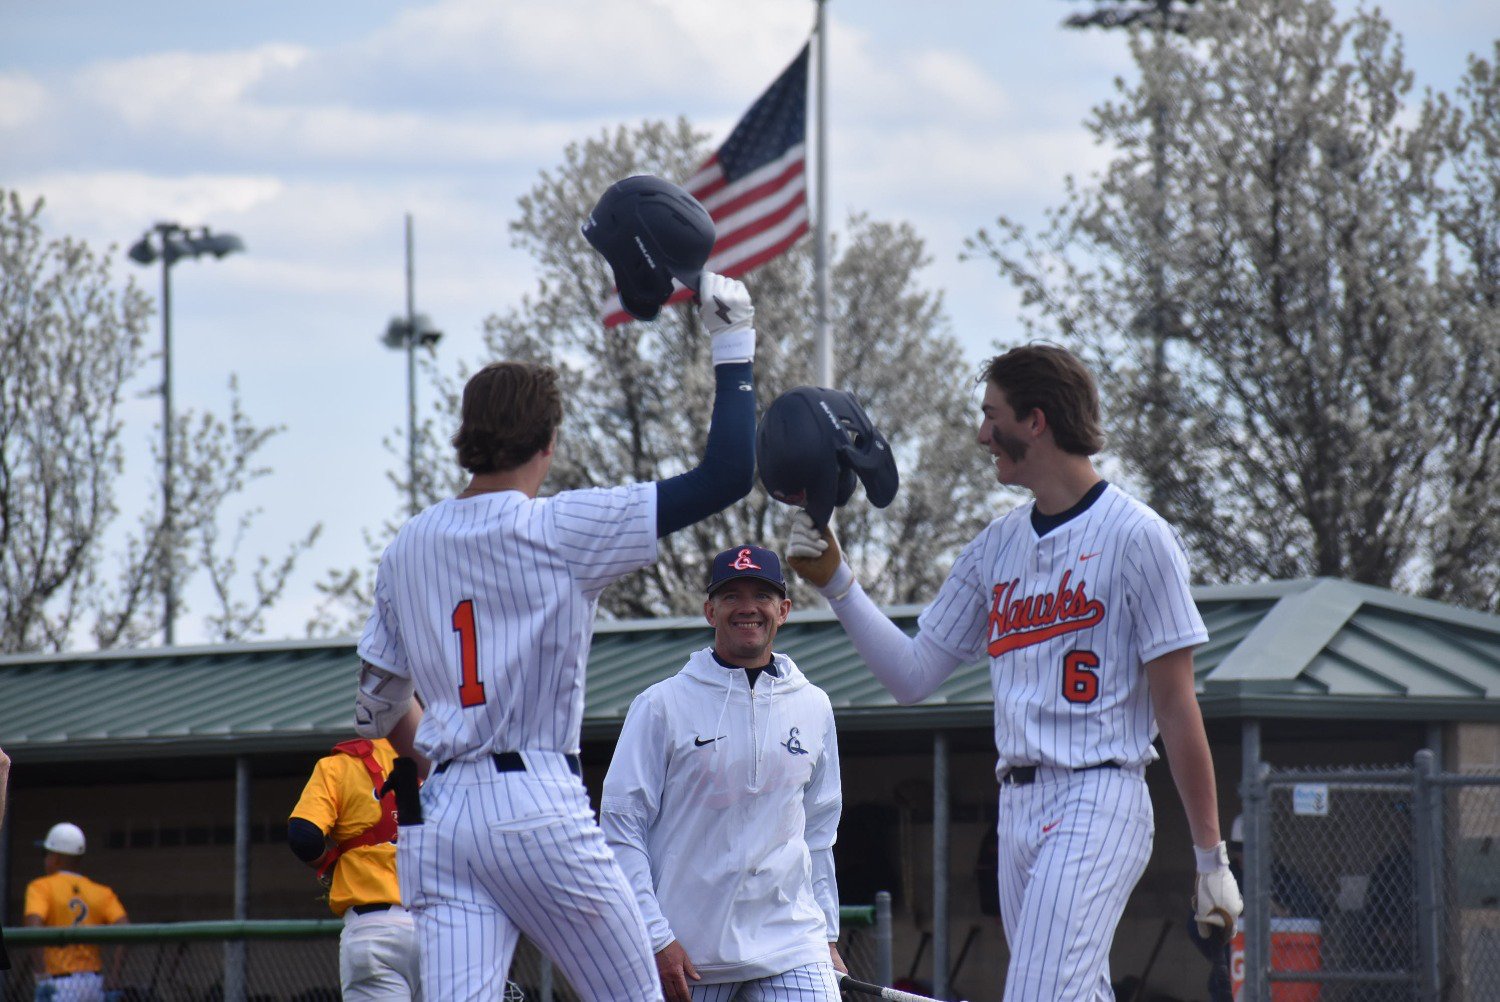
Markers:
{"x": 1025, "y": 775}
{"x": 379, "y": 906}
{"x": 510, "y": 761}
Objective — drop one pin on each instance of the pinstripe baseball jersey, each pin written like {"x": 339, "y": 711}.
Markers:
{"x": 1068, "y": 620}
{"x": 487, "y": 604}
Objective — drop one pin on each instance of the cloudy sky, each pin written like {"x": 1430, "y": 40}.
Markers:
{"x": 311, "y": 128}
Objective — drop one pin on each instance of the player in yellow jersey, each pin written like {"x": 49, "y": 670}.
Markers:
{"x": 65, "y": 897}
{"x": 346, "y": 830}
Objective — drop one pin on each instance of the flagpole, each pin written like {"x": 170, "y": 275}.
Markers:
{"x": 822, "y": 346}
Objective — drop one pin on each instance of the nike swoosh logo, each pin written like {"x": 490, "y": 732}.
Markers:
{"x": 1090, "y": 556}
{"x": 700, "y": 742}
{"x": 1048, "y": 828}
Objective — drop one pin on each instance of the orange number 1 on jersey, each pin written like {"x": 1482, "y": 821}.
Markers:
{"x": 470, "y": 689}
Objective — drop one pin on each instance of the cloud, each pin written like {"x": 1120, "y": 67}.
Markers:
{"x": 109, "y": 206}
{"x": 23, "y": 102}
{"x": 554, "y": 56}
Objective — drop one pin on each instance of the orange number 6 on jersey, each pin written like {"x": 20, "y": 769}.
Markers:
{"x": 470, "y": 689}
{"x": 1080, "y": 677}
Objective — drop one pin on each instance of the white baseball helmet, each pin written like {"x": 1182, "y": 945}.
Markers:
{"x": 64, "y": 837}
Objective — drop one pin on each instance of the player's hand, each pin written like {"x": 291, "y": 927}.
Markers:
{"x": 674, "y": 968}
{"x": 726, "y": 312}
{"x": 813, "y": 553}
{"x": 836, "y": 960}
{"x": 1216, "y": 900}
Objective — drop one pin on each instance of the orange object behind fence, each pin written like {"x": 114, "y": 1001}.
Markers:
{"x": 1296, "y": 945}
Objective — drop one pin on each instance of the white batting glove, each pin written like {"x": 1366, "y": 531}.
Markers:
{"x": 1216, "y": 902}
{"x": 814, "y": 553}
{"x": 725, "y": 309}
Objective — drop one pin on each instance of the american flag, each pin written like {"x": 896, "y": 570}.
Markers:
{"x": 755, "y": 186}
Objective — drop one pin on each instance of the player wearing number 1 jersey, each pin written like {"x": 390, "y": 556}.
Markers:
{"x": 1080, "y": 600}
{"x": 484, "y": 605}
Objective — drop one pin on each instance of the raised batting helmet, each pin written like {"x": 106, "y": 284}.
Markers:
{"x": 811, "y": 446}
{"x": 650, "y": 231}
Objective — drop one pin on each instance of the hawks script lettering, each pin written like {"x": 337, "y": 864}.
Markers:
{"x": 1021, "y": 622}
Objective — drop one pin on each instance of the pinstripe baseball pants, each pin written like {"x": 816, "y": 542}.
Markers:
{"x": 813, "y": 983}
{"x": 501, "y": 854}
{"x": 1072, "y": 847}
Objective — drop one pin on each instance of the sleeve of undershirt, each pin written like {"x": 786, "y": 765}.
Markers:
{"x": 950, "y": 632}
{"x": 910, "y": 668}
{"x": 727, "y": 471}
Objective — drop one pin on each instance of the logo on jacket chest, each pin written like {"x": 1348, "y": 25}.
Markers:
{"x": 1016, "y": 621}
{"x": 792, "y": 744}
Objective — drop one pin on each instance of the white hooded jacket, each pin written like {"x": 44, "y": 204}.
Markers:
{"x": 722, "y": 805}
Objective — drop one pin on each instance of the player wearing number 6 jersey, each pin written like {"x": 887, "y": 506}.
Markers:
{"x": 484, "y": 605}
{"x": 1080, "y": 599}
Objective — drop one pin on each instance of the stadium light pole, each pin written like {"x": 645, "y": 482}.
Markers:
{"x": 404, "y": 334}
{"x": 170, "y": 243}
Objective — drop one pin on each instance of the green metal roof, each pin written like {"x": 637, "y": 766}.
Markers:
{"x": 1313, "y": 648}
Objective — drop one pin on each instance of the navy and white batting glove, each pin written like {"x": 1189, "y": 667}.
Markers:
{"x": 726, "y": 312}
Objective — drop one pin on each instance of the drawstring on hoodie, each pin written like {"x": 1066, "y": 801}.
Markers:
{"x": 728, "y": 692}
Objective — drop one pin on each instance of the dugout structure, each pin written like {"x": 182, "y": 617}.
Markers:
{"x": 182, "y": 764}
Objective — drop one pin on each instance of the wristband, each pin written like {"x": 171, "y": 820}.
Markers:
{"x": 734, "y": 345}
{"x": 840, "y": 585}
{"x": 1212, "y": 860}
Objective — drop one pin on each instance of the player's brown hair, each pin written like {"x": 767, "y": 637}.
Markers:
{"x": 1052, "y": 379}
{"x": 509, "y": 412}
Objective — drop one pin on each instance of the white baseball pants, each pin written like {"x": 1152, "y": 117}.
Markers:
{"x": 813, "y": 983}
{"x": 379, "y": 957}
{"x": 1072, "y": 846}
{"x": 506, "y": 853}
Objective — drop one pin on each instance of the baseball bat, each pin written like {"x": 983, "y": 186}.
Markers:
{"x": 848, "y": 984}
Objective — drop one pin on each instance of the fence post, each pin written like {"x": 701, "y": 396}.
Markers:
{"x": 883, "y": 972}
{"x": 940, "y": 835}
{"x": 1252, "y": 801}
{"x": 236, "y": 951}
{"x": 1426, "y": 864}
{"x": 1257, "y": 956}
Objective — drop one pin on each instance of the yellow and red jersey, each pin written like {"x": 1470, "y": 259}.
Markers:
{"x": 65, "y": 898}
{"x": 341, "y": 799}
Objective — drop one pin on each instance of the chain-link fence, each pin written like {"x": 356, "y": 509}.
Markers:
{"x": 1371, "y": 885}
{"x": 298, "y": 961}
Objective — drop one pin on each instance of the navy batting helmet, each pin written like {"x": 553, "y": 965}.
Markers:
{"x": 650, "y": 231}
{"x": 813, "y": 443}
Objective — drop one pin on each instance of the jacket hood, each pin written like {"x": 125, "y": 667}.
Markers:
{"x": 703, "y": 667}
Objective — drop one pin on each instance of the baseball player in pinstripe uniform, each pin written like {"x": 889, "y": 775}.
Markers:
{"x": 1080, "y": 599}
{"x": 484, "y": 606}
{"x": 722, "y": 803}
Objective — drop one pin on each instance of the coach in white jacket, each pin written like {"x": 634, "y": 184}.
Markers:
{"x": 722, "y": 804}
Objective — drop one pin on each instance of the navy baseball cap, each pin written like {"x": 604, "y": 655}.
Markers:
{"x": 746, "y": 562}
